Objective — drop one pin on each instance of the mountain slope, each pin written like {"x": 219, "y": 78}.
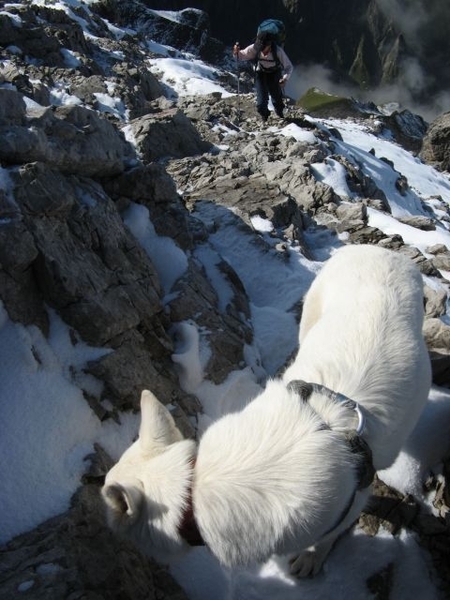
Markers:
{"x": 151, "y": 232}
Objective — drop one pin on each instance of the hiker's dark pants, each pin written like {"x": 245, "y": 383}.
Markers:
{"x": 268, "y": 83}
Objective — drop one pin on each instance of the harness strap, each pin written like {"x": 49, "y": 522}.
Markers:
{"x": 188, "y": 528}
{"x": 358, "y": 446}
{"x": 365, "y": 471}
{"x": 304, "y": 389}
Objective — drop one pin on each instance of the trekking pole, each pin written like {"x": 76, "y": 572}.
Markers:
{"x": 286, "y": 102}
{"x": 236, "y": 47}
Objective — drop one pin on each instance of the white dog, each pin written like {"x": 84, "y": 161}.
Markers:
{"x": 292, "y": 470}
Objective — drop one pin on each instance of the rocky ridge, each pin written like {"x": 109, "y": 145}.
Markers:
{"x": 70, "y": 171}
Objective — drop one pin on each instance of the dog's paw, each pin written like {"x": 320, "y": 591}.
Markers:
{"x": 308, "y": 563}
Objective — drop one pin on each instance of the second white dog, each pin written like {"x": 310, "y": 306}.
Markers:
{"x": 292, "y": 470}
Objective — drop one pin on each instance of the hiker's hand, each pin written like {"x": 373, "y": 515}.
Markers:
{"x": 283, "y": 80}
{"x": 236, "y": 49}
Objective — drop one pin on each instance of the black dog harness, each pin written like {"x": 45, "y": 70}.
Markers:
{"x": 365, "y": 471}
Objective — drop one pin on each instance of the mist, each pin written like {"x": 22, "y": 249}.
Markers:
{"x": 424, "y": 25}
{"x": 399, "y": 95}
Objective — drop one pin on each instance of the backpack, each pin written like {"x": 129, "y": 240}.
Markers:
{"x": 275, "y": 28}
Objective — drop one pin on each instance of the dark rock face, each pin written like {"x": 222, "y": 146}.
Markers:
{"x": 191, "y": 32}
{"x": 75, "y": 555}
{"x": 436, "y": 143}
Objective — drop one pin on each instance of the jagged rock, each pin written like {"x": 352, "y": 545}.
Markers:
{"x": 137, "y": 88}
{"x": 89, "y": 267}
{"x": 436, "y": 143}
{"x": 424, "y": 264}
{"x": 442, "y": 262}
{"x": 441, "y": 257}
{"x": 229, "y": 332}
{"x": 74, "y": 555}
{"x": 168, "y": 133}
{"x": 151, "y": 186}
{"x": 378, "y": 204}
{"x": 423, "y": 223}
{"x": 437, "y": 334}
{"x": 437, "y": 338}
{"x": 138, "y": 362}
{"x": 12, "y": 108}
{"x": 26, "y": 84}
{"x": 435, "y": 302}
{"x": 437, "y": 249}
{"x": 249, "y": 196}
{"x": 394, "y": 511}
{"x": 44, "y": 33}
{"x": 407, "y": 129}
{"x": 393, "y": 242}
{"x": 77, "y": 256}
{"x": 70, "y": 138}
{"x": 361, "y": 185}
{"x": 84, "y": 88}
{"x": 351, "y": 216}
{"x": 296, "y": 179}
{"x": 18, "y": 286}
{"x": 366, "y": 235}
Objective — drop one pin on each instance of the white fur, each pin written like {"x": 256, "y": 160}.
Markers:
{"x": 146, "y": 491}
{"x": 270, "y": 478}
{"x": 361, "y": 335}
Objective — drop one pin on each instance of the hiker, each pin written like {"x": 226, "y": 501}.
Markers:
{"x": 273, "y": 69}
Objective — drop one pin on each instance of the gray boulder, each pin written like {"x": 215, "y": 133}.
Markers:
{"x": 436, "y": 143}
{"x": 437, "y": 337}
{"x": 71, "y": 139}
{"x": 166, "y": 133}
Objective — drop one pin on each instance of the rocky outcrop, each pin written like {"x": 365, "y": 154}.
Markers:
{"x": 390, "y": 510}
{"x": 66, "y": 246}
{"x": 436, "y": 143}
{"x": 71, "y": 139}
{"x": 76, "y": 556}
{"x": 44, "y": 31}
{"x": 166, "y": 133}
{"x": 190, "y": 32}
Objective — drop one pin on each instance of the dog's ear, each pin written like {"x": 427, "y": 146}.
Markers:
{"x": 158, "y": 428}
{"x": 123, "y": 501}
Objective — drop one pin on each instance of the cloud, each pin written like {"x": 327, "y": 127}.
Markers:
{"x": 424, "y": 26}
{"x": 305, "y": 77}
{"x": 401, "y": 94}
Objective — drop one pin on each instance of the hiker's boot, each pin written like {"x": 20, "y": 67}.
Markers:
{"x": 264, "y": 114}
